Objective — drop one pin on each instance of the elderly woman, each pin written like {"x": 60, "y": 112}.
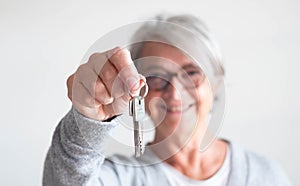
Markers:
{"x": 179, "y": 102}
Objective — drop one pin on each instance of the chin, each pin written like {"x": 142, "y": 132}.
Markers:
{"x": 171, "y": 120}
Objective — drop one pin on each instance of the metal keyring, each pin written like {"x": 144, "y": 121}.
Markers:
{"x": 146, "y": 87}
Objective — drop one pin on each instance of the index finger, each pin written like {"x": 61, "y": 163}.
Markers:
{"x": 127, "y": 72}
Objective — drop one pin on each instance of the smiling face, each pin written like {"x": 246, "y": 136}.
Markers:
{"x": 178, "y": 90}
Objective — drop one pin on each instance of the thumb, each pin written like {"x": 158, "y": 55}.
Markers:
{"x": 142, "y": 89}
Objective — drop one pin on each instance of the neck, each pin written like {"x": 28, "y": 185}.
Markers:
{"x": 192, "y": 163}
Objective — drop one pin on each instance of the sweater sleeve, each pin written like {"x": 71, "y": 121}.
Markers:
{"x": 74, "y": 156}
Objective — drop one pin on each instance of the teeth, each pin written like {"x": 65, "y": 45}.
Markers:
{"x": 174, "y": 109}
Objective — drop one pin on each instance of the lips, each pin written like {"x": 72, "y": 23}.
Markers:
{"x": 176, "y": 109}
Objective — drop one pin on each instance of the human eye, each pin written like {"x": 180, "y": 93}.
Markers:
{"x": 156, "y": 78}
{"x": 156, "y": 81}
{"x": 193, "y": 72}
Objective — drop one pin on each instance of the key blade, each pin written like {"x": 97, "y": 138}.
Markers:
{"x": 137, "y": 110}
{"x": 138, "y": 139}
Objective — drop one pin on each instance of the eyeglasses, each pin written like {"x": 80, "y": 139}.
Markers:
{"x": 189, "y": 78}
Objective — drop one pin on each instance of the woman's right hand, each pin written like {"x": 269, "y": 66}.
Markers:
{"x": 102, "y": 87}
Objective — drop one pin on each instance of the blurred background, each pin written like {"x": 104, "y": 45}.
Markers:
{"x": 42, "y": 43}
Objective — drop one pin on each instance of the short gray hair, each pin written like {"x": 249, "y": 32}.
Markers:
{"x": 157, "y": 30}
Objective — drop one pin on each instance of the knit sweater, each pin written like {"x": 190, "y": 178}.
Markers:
{"x": 73, "y": 160}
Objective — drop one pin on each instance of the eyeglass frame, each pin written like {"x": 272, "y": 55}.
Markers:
{"x": 169, "y": 76}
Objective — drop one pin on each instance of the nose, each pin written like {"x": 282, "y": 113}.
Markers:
{"x": 174, "y": 89}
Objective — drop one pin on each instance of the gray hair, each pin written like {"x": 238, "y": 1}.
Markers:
{"x": 170, "y": 29}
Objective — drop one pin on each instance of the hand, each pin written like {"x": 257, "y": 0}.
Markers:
{"x": 102, "y": 87}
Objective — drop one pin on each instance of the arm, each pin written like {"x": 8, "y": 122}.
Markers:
{"x": 74, "y": 158}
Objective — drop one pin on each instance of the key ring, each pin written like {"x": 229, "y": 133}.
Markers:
{"x": 145, "y": 87}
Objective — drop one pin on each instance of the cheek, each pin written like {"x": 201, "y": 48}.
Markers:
{"x": 205, "y": 91}
{"x": 151, "y": 101}
{"x": 203, "y": 94}
{"x": 147, "y": 101}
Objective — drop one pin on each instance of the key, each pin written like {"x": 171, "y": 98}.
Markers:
{"x": 137, "y": 111}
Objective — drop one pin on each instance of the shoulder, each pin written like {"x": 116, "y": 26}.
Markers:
{"x": 260, "y": 170}
{"x": 264, "y": 169}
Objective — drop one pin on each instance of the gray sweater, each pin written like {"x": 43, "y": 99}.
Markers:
{"x": 72, "y": 161}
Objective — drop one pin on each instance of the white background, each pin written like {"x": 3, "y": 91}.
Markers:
{"x": 42, "y": 42}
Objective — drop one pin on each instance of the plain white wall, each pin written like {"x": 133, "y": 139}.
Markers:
{"x": 42, "y": 42}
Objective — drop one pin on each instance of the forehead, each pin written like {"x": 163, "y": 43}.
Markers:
{"x": 165, "y": 51}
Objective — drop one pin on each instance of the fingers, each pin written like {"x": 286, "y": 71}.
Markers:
{"x": 119, "y": 106}
{"x": 97, "y": 61}
{"x": 89, "y": 112}
{"x": 109, "y": 76}
{"x": 116, "y": 62}
{"x": 82, "y": 97}
{"x": 102, "y": 87}
{"x": 121, "y": 60}
{"x": 93, "y": 84}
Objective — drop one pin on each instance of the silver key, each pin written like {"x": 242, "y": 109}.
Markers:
{"x": 137, "y": 111}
